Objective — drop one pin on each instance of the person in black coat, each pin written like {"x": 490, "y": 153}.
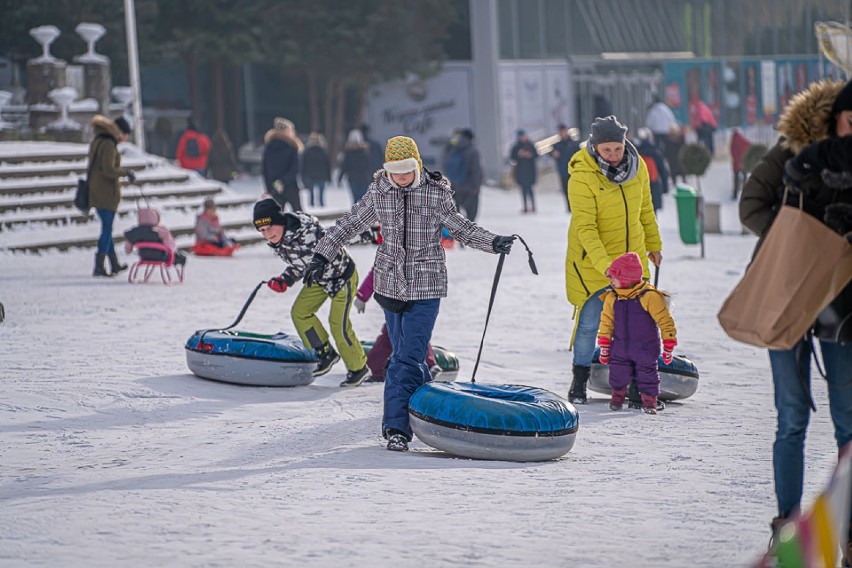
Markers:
{"x": 375, "y": 151}
{"x": 280, "y": 163}
{"x": 316, "y": 168}
{"x": 568, "y": 145}
{"x": 356, "y": 165}
{"x": 523, "y": 159}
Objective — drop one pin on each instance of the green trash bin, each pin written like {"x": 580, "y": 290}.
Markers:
{"x": 688, "y": 215}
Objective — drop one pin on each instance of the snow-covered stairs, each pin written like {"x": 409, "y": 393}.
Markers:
{"x": 38, "y": 181}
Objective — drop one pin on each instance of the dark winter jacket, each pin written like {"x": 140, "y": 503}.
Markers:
{"x": 315, "y": 165}
{"x": 280, "y": 161}
{"x": 105, "y": 163}
{"x": 805, "y": 120}
{"x": 826, "y": 162}
{"x": 410, "y": 262}
{"x": 524, "y": 172}
{"x": 472, "y": 167}
{"x": 222, "y": 161}
{"x": 649, "y": 151}
{"x": 566, "y": 148}
{"x": 302, "y": 232}
{"x": 356, "y": 165}
{"x": 376, "y": 152}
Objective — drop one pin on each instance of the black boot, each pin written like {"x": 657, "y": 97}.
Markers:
{"x": 577, "y": 392}
{"x": 327, "y": 358}
{"x": 634, "y": 398}
{"x": 99, "y": 265}
{"x": 114, "y": 265}
{"x": 775, "y": 525}
{"x": 397, "y": 441}
{"x": 355, "y": 378}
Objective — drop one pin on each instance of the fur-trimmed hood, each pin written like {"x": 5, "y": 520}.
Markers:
{"x": 806, "y": 118}
{"x": 278, "y": 134}
{"x": 104, "y": 125}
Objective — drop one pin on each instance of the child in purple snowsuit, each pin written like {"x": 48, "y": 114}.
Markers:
{"x": 380, "y": 353}
{"x": 633, "y": 318}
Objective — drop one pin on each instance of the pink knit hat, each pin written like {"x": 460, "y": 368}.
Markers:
{"x": 627, "y": 268}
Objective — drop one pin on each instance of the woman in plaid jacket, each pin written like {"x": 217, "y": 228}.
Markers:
{"x": 410, "y": 272}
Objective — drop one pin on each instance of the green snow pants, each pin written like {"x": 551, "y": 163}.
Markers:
{"x": 314, "y": 335}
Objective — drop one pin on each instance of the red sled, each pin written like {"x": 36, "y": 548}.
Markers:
{"x": 209, "y": 249}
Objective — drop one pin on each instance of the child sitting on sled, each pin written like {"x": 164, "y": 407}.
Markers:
{"x": 380, "y": 353}
{"x": 149, "y": 230}
{"x": 633, "y": 318}
{"x": 210, "y": 238}
{"x": 293, "y": 236}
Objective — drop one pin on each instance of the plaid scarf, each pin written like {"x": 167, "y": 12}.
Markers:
{"x": 625, "y": 171}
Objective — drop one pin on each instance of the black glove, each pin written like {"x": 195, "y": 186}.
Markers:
{"x": 502, "y": 245}
{"x": 131, "y": 177}
{"x": 314, "y": 270}
{"x": 838, "y": 216}
{"x": 799, "y": 177}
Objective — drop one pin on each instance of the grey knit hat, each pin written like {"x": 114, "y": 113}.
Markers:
{"x": 607, "y": 129}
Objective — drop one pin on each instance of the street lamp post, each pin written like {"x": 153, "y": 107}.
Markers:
{"x": 133, "y": 66}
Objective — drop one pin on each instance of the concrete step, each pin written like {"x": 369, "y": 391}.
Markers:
{"x": 51, "y": 184}
{"x": 241, "y": 234}
{"x": 25, "y": 151}
{"x": 67, "y": 215}
{"x": 64, "y": 168}
{"x": 132, "y": 194}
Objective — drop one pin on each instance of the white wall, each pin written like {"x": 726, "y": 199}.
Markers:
{"x": 534, "y": 95}
{"x": 427, "y": 110}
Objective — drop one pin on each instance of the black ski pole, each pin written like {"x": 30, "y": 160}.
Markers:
{"x": 493, "y": 294}
{"x": 242, "y": 312}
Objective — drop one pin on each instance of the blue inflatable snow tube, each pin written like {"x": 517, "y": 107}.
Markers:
{"x": 496, "y": 422}
{"x": 255, "y": 359}
{"x": 678, "y": 379}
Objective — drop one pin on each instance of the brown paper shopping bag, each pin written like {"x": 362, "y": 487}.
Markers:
{"x": 800, "y": 268}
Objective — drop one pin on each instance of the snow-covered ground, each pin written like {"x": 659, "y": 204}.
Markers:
{"x": 112, "y": 454}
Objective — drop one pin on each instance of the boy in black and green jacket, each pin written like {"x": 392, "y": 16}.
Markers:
{"x": 293, "y": 236}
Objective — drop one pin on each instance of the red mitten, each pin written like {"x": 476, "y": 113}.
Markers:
{"x": 277, "y": 284}
{"x": 604, "y": 343}
{"x": 668, "y": 347}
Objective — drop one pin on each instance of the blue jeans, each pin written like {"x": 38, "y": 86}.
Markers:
{"x": 105, "y": 239}
{"x": 586, "y": 337}
{"x": 790, "y": 373}
{"x": 410, "y": 333}
{"x": 317, "y": 187}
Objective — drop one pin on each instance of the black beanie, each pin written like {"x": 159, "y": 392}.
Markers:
{"x": 123, "y": 125}
{"x": 843, "y": 100}
{"x": 607, "y": 130}
{"x": 267, "y": 212}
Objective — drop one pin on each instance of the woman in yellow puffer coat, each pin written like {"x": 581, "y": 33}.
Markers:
{"x": 611, "y": 214}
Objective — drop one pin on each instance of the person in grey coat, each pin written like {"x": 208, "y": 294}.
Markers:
{"x": 410, "y": 271}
